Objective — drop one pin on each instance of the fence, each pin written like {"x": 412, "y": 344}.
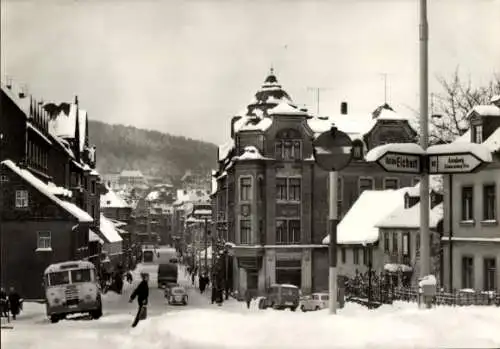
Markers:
{"x": 384, "y": 291}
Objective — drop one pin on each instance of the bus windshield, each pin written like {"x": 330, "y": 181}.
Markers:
{"x": 82, "y": 275}
{"x": 148, "y": 256}
{"x": 59, "y": 278}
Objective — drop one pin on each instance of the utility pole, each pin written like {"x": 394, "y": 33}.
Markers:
{"x": 318, "y": 92}
{"x": 385, "y": 86}
{"x": 424, "y": 140}
{"x": 333, "y": 217}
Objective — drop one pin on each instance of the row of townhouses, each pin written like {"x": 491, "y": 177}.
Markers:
{"x": 270, "y": 201}
{"x": 49, "y": 192}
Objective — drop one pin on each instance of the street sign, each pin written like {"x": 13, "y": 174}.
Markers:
{"x": 400, "y": 162}
{"x": 454, "y": 163}
{"x": 332, "y": 150}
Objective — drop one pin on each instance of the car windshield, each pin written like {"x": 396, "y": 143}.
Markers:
{"x": 59, "y": 278}
{"x": 177, "y": 291}
{"x": 82, "y": 275}
{"x": 289, "y": 291}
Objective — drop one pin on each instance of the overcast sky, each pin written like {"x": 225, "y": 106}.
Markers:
{"x": 185, "y": 67}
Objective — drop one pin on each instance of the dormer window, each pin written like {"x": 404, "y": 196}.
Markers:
{"x": 477, "y": 134}
{"x": 288, "y": 145}
{"x": 357, "y": 151}
{"x": 407, "y": 201}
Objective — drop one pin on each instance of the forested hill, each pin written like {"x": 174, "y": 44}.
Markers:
{"x": 154, "y": 153}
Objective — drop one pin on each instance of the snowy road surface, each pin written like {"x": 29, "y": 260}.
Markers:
{"x": 202, "y": 325}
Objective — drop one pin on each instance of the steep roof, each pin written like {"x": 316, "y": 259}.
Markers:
{"x": 63, "y": 121}
{"x": 359, "y": 226}
{"x": 72, "y": 209}
{"x": 112, "y": 199}
{"x": 410, "y": 217}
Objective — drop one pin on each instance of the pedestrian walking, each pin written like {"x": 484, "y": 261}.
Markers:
{"x": 142, "y": 294}
{"x": 248, "y": 298}
{"x": 4, "y": 303}
{"x": 14, "y": 302}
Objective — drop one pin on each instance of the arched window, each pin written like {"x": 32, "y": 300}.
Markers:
{"x": 357, "y": 147}
{"x": 288, "y": 145}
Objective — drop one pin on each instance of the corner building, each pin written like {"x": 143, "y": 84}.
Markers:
{"x": 271, "y": 199}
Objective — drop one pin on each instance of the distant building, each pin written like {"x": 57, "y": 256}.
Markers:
{"x": 111, "y": 180}
{"x": 472, "y": 201}
{"x": 132, "y": 179}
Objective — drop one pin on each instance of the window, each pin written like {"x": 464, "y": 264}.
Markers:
{"x": 4, "y": 178}
{"x": 342, "y": 255}
{"x": 245, "y": 231}
{"x": 489, "y": 200}
{"x": 294, "y": 189}
{"x": 281, "y": 189}
{"x": 21, "y": 198}
{"x": 245, "y": 189}
{"x": 288, "y": 189}
{"x": 477, "y": 134}
{"x": 467, "y": 272}
{"x": 394, "y": 242}
{"x": 288, "y": 146}
{"x": 365, "y": 184}
{"x": 287, "y": 231}
{"x": 261, "y": 189}
{"x": 386, "y": 242}
{"x": 44, "y": 240}
{"x": 355, "y": 255}
{"x": 93, "y": 187}
{"x": 365, "y": 256}
{"x": 391, "y": 183}
{"x": 406, "y": 244}
{"x": 467, "y": 204}
{"x": 357, "y": 150}
{"x": 490, "y": 273}
{"x": 82, "y": 275}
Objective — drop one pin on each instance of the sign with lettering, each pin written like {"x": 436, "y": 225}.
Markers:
{"x": 399, "y": 162}
{"x": 453, "y": 163}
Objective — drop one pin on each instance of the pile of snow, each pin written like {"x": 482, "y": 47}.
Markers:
{"x": 251, "y": 153}
{"x": 428, "y": 280}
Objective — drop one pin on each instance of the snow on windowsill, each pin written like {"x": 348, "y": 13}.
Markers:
{"x": 481, "y": 151}
{"x": 489, "y": 222}
{"x": 401, "y": 148}
{"x": 467, "y": 222}
{"x": 44, "y": 249}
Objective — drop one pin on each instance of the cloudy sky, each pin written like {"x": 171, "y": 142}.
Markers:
{"x": 185, "y": 67}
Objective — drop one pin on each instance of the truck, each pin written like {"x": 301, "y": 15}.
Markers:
{"x": 167, "y": 275}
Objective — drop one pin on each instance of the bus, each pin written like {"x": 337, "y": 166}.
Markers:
{"x": 71, "y": 288}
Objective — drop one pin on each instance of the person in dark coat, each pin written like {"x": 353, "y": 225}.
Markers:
{"x": 202, "y": 283}
{"x": 119, "y": 282}
{"x": 129, "y": 277}
{"x": 248, "y": 298}
{"x": 14, "y": 303}
{"x": 4, "y": 305}
{"x": 141, "y": 291}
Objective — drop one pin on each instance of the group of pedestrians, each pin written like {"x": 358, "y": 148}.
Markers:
{"x": 10, "y": 303}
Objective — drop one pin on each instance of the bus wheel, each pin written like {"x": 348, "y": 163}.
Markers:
{"x": 54, "y": 318}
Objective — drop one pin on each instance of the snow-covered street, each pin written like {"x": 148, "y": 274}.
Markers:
{"x": 203, "y": 325}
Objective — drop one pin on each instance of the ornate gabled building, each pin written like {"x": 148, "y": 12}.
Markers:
{"x": 271, "y": 198}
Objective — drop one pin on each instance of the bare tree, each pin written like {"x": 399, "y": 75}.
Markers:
{"x": 449, "y": 108}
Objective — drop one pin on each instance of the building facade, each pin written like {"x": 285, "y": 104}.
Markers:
{"x": 471, "y": 223}
{"x": 271, "y": 198}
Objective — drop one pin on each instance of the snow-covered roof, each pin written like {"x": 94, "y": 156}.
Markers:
{"x": 214, "y": 183}
{"x": 493, "y": 141}
{"x": 131, "y": 173}
{"x": 355, "y": 126}
{"x": 389, "y": 114}
{"x": 409, "y": 218}
{"x": 485, "y": 110}
{"x": 108, "y": 229}
{"x": 75, "y": 211}
{"x": 64, "y": 123}
{"x": 192, "y": 195}
{"x": 202, "y": 212}
{"x": 94, "y": 237}
{"x": 284, "y": 108}
{"x": 59, "y": 191}
{"x": 93, "y": 172}
{"x": 225, "y": 149}
{"x": 479, "y": 150}
{"x": 435, "y": 184}
{"x": 251, "y": 153}
{"x": 359, "y": 224}
{"x": 495, "y": 99}
{"x": 154, "y": 195}
{"x": 261, "y": 125}
{"x": 112, "y": 199}
{"x": 22, "y": 103}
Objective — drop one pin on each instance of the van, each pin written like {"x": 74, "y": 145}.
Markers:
{"x": 281, "y": 296}
{"x": 167, "y": 274}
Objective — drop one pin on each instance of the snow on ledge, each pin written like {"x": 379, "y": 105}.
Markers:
{"x": 286, "y": 109}
{"x": 428, "y": 280}
{"x": 401, "y": 148}
{"x": 393, "y": 268}
{"x": 251, "y": 153}
{"x": 479, "y": 150}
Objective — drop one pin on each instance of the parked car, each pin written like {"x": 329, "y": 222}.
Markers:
{"x": 178, "y": 295}
{"x": 316, "y": 301}
{"x": 280, "y": 296}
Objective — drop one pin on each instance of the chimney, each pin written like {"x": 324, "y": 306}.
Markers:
{"x": 8, "y": 82}
{"x": 343, "y": 108}
{"x": 23, "y": 92}
{"x": 233, "y": 121}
